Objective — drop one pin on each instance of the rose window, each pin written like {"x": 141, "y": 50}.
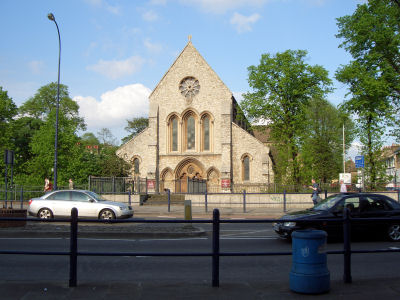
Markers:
{"x": 189, "y": 87}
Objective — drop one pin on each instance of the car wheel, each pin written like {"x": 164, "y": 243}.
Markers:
{"x": 106, "y": 214}
{"x": 394, "y": 232}
{"x": 45, "y": 214}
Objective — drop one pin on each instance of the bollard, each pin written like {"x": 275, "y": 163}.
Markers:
{"x": 188, "y": 210}
{"x": 309, "y": 273}
{"x": 284, "y": 200}
{"x": 21, "y": 196}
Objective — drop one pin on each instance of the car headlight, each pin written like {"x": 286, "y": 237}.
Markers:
{"x": 289, "y": 224}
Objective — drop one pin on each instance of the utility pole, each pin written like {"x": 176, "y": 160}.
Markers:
{"x": 344, "y": 153}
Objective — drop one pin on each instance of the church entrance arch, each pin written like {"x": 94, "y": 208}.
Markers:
{"x": 188, "y": 168}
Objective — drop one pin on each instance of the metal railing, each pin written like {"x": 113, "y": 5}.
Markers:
{"x": 215, "y": 252}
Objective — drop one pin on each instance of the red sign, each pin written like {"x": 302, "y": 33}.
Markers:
{"x": 225, "y": 183}
{"x": 151, "y": 184}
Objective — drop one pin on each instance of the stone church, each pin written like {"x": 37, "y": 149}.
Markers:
{"x": 196, "y": 130}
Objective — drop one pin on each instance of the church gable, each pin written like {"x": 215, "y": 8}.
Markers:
{"x": 189, "y": 76}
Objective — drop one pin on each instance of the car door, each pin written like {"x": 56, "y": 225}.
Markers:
{"x": 84, "y": 203}
{"x": 352, "y": 203}
{"x": 375, "y": 206}
{"x": 60, "y": 203}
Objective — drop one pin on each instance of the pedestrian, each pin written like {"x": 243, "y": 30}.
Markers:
{"x": 343, "y": 187}
{"x": 315, "y": 192}
{"x": 48, "y": 186}
{"x": 70, "y": 184}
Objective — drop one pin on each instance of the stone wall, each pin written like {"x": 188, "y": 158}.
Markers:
{"x": 293, "y": 201}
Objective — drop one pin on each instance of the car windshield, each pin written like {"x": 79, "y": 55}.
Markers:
{"x": 96, "y": 196}
{"x": 328, "y": 202}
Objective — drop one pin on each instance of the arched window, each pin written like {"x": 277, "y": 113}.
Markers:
{"x": 136, "y": 166}
{"x": 206, "y": 133}
{"x": 246, "y": 168}
{"x": 190, "y": 133}
{"x": 174, "y": 134}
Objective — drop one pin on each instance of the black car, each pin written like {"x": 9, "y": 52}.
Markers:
{"x": 360, "y": 205}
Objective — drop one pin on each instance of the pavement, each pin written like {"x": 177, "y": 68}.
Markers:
{"x": 265, "y": 288}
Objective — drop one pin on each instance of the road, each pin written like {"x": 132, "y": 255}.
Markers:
{"x": 141, "y": 268}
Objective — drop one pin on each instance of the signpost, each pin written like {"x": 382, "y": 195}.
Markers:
{"x": 359, "y": 160}
{"x": 360, "y": 163}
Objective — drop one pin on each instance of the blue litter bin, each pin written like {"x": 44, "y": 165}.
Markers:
{"x": 309, "y": 274}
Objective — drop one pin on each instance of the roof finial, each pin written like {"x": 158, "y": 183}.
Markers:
{"x": 190, "y": 37}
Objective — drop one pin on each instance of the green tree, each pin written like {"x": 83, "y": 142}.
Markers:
{"x": 23, "y": 130}
{"x": 42, "y": 107}
{"x": 371, "y": 36}
{"x": 8, "y": 111}
{"x": 89, "y": 138}
{"x": 372, "y": 107}
{"x": 109, "y": 164}
{"x": 283, "y": 85}
{"x": 322, "y": 143}
{"x": 106, "y": 137}
{"x": 134, "y": 127}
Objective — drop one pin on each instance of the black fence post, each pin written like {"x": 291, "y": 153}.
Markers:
{"x": 398, "y": 195}
{"x": 169, "y": 200}
{"x": 347, "y": 246}
{"x": 244, "y": 201}
{"x": 215, "y": 249}
{"x": 73, "y": 248}
{"x": 326, "y": 194}
{"x": 129, "y": 198}
{"x": 284, "y": 200}
{"x": 205, "y": 201}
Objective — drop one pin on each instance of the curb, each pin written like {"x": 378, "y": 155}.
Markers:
{"x": 24, "y": 233}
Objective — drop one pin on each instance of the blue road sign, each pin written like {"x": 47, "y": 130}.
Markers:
{"x": 359, "y": 161}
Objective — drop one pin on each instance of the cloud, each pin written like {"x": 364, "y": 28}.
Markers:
{"x": 114, "y": 107}
{"x": 315, "y": 2}
{"x": 222, "y": 6}
{"x": 36, "y": 66}
{"x": 242, "y": 23}
{"x": 115, "y": 69}
{"x": 150, "y": 16}
{"x": 116, "y": 10}
{"x": 152, "y": 47}
{"x": 158, "y": 2}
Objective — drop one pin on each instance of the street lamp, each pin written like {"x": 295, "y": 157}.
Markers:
{"x": 51, "y": 18}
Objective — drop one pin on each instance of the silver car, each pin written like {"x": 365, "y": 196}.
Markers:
{"x": 89, "y": 204}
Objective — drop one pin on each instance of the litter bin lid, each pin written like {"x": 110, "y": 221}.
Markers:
{"x": 309, "y": 234}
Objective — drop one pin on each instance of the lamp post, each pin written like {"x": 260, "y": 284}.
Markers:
{"x": 51, "y": 18}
